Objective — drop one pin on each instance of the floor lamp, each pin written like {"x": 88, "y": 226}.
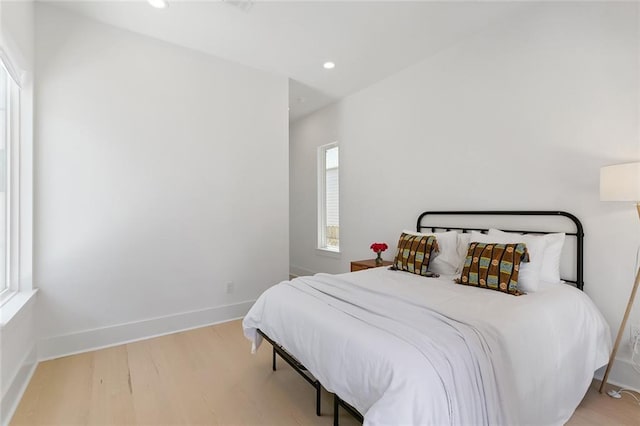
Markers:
{"x": 621, "y": 182}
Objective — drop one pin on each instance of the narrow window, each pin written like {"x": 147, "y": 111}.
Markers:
{"x": 328, "y": 198}
{"x": 9, "y": 124}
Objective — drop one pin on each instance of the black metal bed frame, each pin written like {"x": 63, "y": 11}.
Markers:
{"x": 579, "y": 232}
{"x": 579, "y": 283}
{"x": 296, "y": 365}
{"x": 337, "y": 403}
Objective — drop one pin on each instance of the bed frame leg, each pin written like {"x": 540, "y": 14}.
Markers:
{"x": 336, "y": 407}
{"x": 273, "y": 366}
{"x": 318, "y": 394}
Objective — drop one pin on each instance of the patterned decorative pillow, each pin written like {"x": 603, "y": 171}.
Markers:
{"x": 494, "y": 266}
{"x": 414, "y": 253}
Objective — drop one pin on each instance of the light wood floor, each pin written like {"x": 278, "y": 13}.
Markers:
{"x": 205, "y": 376}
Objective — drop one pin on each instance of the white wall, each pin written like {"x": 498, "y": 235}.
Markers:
{"x": 544, "y": 99}
{"x": 305, "y": 137}
{"x": 161, "y": 175}
{"x": 16, "y": 32}
{"x": 18, "y": 333}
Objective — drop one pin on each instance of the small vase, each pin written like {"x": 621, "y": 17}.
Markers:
{"x": 379, "y": 259}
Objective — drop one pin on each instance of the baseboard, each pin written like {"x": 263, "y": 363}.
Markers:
{"x": 89, "y": 340}
{"x": 622, "y": 374}
{"x": 14, "y": 392}
{"x": 298, "y": 271}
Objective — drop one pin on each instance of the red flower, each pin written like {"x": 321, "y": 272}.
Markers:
{"x": 379, "y": 247}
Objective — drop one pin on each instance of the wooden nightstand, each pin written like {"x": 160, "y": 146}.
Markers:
{"x": 359, "y": 265}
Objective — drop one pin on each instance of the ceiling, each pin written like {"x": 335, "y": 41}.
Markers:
{"x": 367, "y": 40}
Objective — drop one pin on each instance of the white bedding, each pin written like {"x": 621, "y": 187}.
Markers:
{"x": 405, "y": 349}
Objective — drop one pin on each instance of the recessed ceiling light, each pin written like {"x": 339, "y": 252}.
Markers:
{"x": 158, "y": 4}
{"x": 329, "y": 65}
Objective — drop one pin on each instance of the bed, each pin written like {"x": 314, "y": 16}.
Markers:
{"x": 400, "y": 348}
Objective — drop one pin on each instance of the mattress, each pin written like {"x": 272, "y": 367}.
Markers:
{"x": 406, "y": 349}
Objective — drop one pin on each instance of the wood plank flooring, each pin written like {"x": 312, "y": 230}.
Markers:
{"x": 205, "y": 376}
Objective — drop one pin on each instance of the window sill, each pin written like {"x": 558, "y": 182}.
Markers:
{"x": 14, "y": 305}
{"x": 327, "y": 252}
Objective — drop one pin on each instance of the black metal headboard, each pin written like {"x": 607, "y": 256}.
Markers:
{"x": 578, "y": 234}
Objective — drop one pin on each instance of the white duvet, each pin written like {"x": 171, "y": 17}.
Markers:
{"x": 409, "y": 350}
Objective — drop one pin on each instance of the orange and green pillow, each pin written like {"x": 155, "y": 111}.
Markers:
{"x": 494, "y": 266}
{"x": 414, "y": 253}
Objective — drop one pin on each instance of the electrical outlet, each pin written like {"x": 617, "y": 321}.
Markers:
{"x": 230, "y": 287}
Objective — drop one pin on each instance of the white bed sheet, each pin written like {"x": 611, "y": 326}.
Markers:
{"x": 405, "y": 349}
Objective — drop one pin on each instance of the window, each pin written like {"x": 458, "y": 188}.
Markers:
{"x": 328, "y": 198}
{"x": 9, "y": 134}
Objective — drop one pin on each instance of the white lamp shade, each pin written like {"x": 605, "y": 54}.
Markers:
{"x": 620, "y": 182}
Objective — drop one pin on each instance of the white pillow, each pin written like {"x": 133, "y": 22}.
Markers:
{"x": 551, "y": 262}
{"x": 529, "y": 275}
{"x": 463, "y": 247}
{"x": 445, "y": 261}
{"x": 550, "y": 271}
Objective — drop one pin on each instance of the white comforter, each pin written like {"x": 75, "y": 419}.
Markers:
{"x": 405, "y": 349}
